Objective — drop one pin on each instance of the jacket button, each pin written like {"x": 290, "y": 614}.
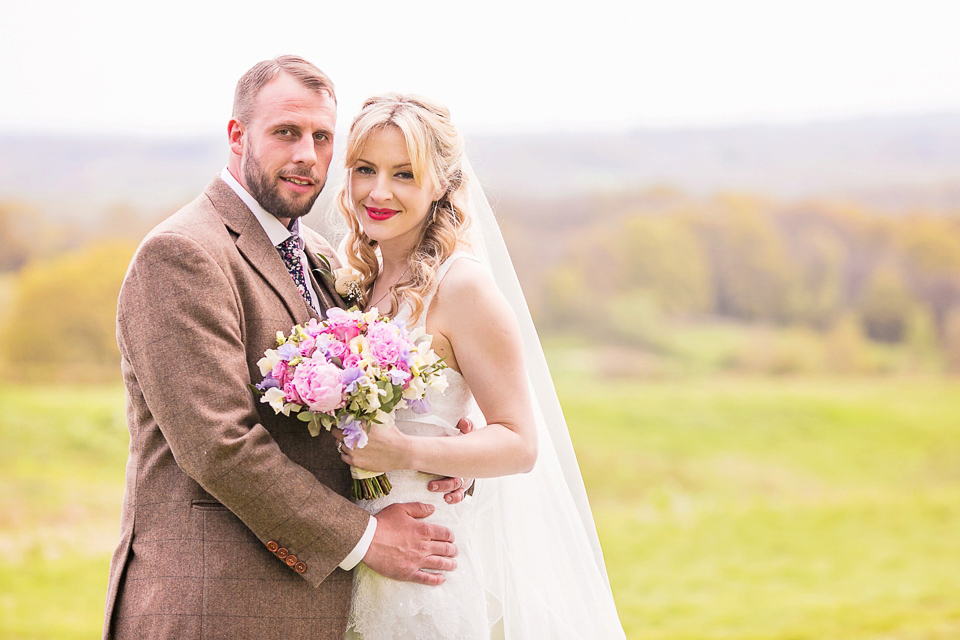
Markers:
{"x": 282, "y": 553}
{"x": 291, "y": 560}
{"x": 300, "y": 567}
{"x": 272, "y": 546}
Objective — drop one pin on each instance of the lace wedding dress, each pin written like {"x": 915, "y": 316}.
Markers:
{"x": 386, "y": 609}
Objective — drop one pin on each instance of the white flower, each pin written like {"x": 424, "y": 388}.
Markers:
{"x": 415, "y": 389}
{"x": 347, "y": 281}
{"x": 431, "y": 358}
{"x": 360, "y": 345}
{"x": 373, "y": 398}
{"x": 268, "y": 361}
{"x": 276, "y": 398}
{"x": 439, "y": 383}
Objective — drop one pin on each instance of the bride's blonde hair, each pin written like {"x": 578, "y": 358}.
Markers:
{"x": 435, "y": 148}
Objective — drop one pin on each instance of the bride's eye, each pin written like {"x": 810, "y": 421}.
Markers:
{"x": 364, "y": 170}
{"x": 405, "y": 175}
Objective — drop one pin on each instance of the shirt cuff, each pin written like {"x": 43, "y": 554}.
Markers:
{"x": 355, "y": 556}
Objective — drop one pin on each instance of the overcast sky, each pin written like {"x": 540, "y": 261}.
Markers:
{"x": 169, "y": 67}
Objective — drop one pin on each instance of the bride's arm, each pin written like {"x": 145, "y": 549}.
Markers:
{"x": 474, "y": 327}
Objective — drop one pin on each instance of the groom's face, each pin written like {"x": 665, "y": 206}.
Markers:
{"x": 286, "y": 146}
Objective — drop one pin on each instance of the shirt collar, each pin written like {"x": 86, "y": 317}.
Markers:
{"x": 273, "y": 227}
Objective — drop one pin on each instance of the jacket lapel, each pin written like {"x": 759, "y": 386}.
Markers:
{"x": 252, "y": 242}
{"x": 323, "y": 283}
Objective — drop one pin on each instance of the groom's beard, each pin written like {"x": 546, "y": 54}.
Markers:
{"x": 268, "y": 193}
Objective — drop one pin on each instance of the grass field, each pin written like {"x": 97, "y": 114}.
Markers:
{"x": 728, "y": 508}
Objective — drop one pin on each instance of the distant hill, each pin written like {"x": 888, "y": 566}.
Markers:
{"x": 912, "y": 161}
{"x": 893, "y": 163}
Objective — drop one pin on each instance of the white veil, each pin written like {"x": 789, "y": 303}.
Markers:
{"x": 538, "y": 542}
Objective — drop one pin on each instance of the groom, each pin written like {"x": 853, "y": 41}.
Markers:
{"x": 234, "y": 522}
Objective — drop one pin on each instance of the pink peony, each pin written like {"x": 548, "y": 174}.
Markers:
{"x": 313, "y": 328}
{"x": 332, "y": 347}
{"x": 351, "y": 360}
{"x": 388, "y": 344}
{"x": 281, "y": 373}
{"x": 341, "y": 325}
{"x": 307, "y": 346}
{"x": 318, "y": 386}
{"x": 291, "y": 393}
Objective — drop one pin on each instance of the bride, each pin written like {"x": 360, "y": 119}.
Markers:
{"x": 426, "y": 244}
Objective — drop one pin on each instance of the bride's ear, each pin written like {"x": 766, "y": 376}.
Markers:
{"x": 437, "y": 192}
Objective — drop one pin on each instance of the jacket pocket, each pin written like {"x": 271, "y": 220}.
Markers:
{"x": 207, "y": 505}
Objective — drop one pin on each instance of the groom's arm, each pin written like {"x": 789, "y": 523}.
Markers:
{"x": 179, "y": 327}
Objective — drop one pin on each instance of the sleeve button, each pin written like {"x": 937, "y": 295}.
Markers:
{"x": 291, "y": 560}
{"x": 272, "y": 546}
{"x": 300, "y": 567}
{"x": 282, "y": 553}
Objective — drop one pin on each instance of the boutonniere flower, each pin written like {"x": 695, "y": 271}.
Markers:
{"x": 346, "y": 280}
{"x": 348, "y": 283}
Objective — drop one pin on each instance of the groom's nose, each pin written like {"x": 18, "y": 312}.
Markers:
{"x": 305, "y": 151}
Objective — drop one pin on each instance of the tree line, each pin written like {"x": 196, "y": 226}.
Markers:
{"x": 618, "y": 272}
{"x": 619, "y": 268}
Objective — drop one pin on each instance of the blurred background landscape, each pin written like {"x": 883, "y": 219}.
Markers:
{"x": 828, "y": 247}
{"x": 737, "y": 226}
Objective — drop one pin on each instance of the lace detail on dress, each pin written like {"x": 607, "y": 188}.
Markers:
{"x": 385, "y": 609}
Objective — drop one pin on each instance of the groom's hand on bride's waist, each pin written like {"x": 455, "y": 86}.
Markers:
{"x": 406, "y": 548}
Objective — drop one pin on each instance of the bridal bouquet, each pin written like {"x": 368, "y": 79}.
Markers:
{"x": 351, "y": 371}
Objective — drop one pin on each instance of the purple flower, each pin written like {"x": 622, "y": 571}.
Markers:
{"x": 354, "y": 435}
{"x": 288, "y": 351}
{"x": 349, "y": 378}
{"x": 269, "y": 383}
{"x": 398, "y": 376}
{"x": 419, "y": 406}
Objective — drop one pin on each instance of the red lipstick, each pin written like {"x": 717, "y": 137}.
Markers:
{"x": 380, "y": 214}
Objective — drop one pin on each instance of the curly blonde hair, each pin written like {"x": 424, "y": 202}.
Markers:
{"x": 435, "y": 148}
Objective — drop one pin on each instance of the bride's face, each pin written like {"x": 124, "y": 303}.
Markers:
{"x": 387, "y": 200}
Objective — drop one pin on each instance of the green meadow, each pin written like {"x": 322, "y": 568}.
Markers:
{"x": 745, "y": 508}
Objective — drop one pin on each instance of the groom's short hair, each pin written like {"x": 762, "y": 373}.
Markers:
{"x": 261, "y": 73}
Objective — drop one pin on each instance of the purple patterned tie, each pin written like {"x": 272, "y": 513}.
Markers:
{"x": 290, "y": 253}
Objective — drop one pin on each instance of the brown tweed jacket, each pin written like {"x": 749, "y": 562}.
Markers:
{"x": 213, "y": 475}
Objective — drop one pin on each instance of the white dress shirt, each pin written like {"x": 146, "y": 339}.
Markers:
{"x": 278, "y": 234}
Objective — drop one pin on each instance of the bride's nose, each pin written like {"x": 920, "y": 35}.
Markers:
{"x": 381, "y": 191}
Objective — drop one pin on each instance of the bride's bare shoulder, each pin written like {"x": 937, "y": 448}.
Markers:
{"x": 465, "y": 281}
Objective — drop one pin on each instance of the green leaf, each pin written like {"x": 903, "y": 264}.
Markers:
{"x": 326, "y": 263}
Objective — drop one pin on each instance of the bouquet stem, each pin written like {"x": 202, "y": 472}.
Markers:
{"x": 371, "y": 488}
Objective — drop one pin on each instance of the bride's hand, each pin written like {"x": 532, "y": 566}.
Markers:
{"x": 387, "y": 449}
{"x": 455, "y": 489}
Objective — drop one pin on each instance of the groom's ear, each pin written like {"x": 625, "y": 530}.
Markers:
{"x": 235, "y": 131}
